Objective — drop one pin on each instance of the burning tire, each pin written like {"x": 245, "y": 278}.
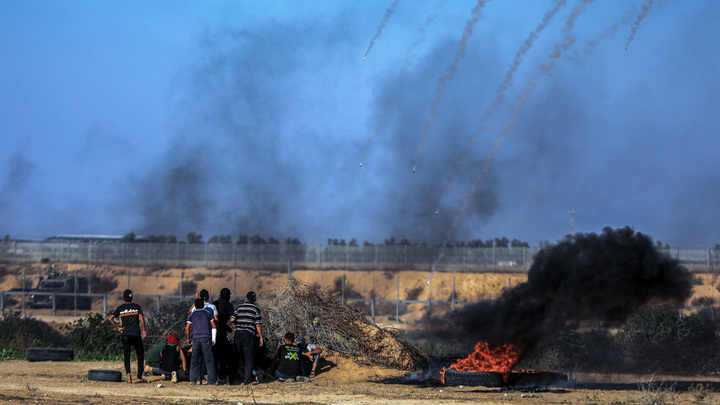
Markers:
{"x": 49, "y": 354}
{"x": 473, "y": 378}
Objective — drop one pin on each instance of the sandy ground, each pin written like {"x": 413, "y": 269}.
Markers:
{"x": 341, "y": 382}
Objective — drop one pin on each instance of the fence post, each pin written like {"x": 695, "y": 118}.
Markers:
{"x": 235, "y": 285}
{"x": 372, "y": 309}
{"x": 494, "y": 258}
{"x": 343, "y": 290}
{"x": 319, "y": 256}
{"x": 23, "y": 290}
{"x": 158, "y": 303}
{"x": 206, "y": 254}
{"x": 122, "y": 253}
{"x": 376, "y": 257}
{"x": 104, "y": 304}
{"x": 128, "y": 279}
{"x": 75, "y": 293}
{"x": 54, "y": 307}
{"x": 289, "y": 269}
{"x": 181, "y": 285}
{"x": 453, "y": 294}
{"x": 397, "y": 299}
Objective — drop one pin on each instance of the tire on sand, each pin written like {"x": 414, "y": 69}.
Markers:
{"x": 105, "y": 375}
{"x": 472, "y": 379}
{"x": 49, "y": 354}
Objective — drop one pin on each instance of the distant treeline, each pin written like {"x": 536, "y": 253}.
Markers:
{"x": 242, "y": 239}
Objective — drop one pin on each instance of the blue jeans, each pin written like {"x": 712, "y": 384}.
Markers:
{"x": 202, "y": 346}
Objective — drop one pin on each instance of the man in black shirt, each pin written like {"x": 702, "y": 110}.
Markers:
{"x": 223, "y": 350}
{"x": 132, "y": 332}
{"x": 287, "y": 361}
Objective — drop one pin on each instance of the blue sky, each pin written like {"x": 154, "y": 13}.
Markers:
{"x": 241, "y": 117}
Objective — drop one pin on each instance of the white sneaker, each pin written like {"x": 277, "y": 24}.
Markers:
{"x": 174, "y": 376}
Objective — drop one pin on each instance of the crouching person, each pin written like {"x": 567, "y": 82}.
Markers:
{"x": 287, "y": 361}
{"x": 203, "y": 337}
{"x": 310, "y": 356}
{"x": 172, "y": 361}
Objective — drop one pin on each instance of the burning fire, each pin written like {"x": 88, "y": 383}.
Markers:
{"x": 487, "y": 358}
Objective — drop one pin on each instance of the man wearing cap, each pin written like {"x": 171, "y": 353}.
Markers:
{"x": 205, "y": 296}
{"x": 132, "y": 332}
{"x": 248, "y": 322}
{"x": 310, "y": 355}
{"x": 172, "y": 360}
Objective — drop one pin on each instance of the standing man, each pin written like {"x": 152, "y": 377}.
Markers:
{"x": 132, "y": 332}
{"x": 248, "y": 322}
{"x": 223, "y": 350}
{"x": 203, "y": 337}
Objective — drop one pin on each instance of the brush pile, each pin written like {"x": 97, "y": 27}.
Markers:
{"x": 322, "y": 318}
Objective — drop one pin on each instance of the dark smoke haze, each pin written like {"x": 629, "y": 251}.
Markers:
{"x": 228, "y": 118}
{"x": 585, "y": 279}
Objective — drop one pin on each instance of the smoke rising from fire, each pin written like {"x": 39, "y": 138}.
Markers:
{"x": 583, "y": 279}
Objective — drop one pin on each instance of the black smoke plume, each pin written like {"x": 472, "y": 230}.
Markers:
{"x": 584, "y": 279}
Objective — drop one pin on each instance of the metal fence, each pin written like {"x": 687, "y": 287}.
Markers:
{"x": 276, "y": 256}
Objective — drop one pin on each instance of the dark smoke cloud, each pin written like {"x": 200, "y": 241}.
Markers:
{"x": 585, "y": 278}
{"x": 18, "y": 174}
{"x": 249, "y": 155}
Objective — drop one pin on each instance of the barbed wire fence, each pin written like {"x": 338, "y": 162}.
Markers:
{"x": 276, "y": 256}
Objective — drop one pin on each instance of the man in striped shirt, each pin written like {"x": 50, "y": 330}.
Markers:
{"x": 248, "y": 326}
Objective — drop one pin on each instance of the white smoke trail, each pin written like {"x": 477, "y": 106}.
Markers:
{"x": 520, "y": 100}
{"x": 645, "y": 9}
{"x": 500, "y": 94}
{"x": 409, "y": 59}
{"x": 381, "y": 27}
{"x": 450, "y": 72}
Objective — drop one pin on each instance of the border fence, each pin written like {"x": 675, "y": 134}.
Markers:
{"x": 276, "y": 256}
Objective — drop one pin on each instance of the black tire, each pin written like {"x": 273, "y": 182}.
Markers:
{"x": 49, "y": 354}
{"x": 472, "y": 379}
{"x": 105, "y": 375}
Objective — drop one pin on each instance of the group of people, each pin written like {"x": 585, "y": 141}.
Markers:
{"x": 210, "y": 350}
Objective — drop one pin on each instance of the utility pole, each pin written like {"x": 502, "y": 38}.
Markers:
{"x": 572, "y": 221}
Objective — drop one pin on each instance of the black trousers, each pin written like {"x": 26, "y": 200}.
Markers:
{"x": 245, "y": 347}
{"x": 136, "y": 343}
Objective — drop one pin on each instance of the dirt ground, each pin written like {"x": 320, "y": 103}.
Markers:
{"x": 340, "y": 382}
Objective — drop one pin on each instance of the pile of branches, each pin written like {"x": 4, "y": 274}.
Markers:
{"x": 322, "y": 318}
